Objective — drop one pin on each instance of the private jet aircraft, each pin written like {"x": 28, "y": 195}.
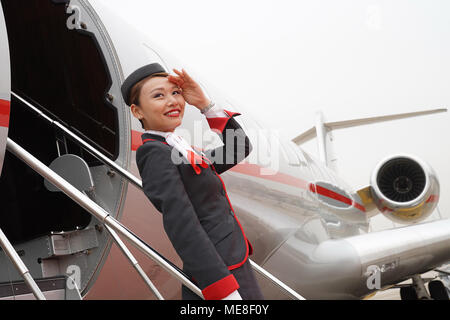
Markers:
{"x": 72, "y": 201}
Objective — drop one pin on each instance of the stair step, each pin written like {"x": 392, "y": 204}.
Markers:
{"x": 54, "y": 288}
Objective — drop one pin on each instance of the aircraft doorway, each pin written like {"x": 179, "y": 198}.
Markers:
{"x": 71, "y": 76}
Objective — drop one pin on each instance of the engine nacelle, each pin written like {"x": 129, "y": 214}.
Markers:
{"x": 404, "y": 188}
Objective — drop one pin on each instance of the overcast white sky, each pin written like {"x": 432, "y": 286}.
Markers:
{"x": 286, "y": 59}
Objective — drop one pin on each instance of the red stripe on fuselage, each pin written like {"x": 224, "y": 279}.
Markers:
{"x": 5, "y": 110}
{"x": 256, "y": 171}
{"x": 336, "y": 196}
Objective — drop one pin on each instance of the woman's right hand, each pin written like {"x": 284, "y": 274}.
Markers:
{"x": 191, "y": 90}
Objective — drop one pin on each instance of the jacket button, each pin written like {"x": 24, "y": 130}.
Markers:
{"x": 231, "y": 212}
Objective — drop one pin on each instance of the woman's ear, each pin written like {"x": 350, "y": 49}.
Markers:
{"x": 136, "y": 111}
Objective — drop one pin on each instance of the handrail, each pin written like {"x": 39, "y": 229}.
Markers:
{"x": 20, "y": 266}
{"x": 100, "y": 156}
{"x": 98, "y": 212}
{"x": 133, "y": 261}
{"x": 281, "y": 285}
{"x": 138, "y": 183}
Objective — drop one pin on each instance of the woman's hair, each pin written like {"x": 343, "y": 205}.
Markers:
{"x": 135, "y": 92}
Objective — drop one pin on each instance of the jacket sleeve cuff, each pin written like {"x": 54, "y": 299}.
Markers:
{"x": 218, "y": 123}
{"x": 220, "y": 289}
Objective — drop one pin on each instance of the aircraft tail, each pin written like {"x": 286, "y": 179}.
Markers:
{"x": 312, "y": 132}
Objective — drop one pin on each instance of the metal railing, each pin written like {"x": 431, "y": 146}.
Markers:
{"x": 133, "y": 261}
{"x": 98, "y": 212}
{"x": 97, "y": 154}
{"x": 110, "y": 221}
{"x": 20, "y": 266}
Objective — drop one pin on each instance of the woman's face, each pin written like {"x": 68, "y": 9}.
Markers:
{"x": 161, "y": 105}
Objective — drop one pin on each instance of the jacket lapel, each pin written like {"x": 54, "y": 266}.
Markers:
{"x": 196, "y": 158}
{"x": 152, "y": 137}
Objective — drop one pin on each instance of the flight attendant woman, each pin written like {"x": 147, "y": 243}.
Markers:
{"x": 197, "y": 214}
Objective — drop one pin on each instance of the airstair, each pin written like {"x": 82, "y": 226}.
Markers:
{"x": 77, "y": 186}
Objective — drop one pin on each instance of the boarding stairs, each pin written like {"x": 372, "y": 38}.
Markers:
{"x": 77, "y": 188}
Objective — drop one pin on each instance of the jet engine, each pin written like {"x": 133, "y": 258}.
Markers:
{"x": 404, "y": 188}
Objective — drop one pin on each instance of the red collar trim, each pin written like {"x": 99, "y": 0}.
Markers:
{"x": 145, "y": 140}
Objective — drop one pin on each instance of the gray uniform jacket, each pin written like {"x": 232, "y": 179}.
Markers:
{"x": 197, "y": 214}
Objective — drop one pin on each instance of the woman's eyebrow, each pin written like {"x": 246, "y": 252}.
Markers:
{"x": 159, "y": 88}
{"x": 162, "y": 88}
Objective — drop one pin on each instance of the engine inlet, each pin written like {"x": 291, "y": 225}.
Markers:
{"x": 401, "y": 179}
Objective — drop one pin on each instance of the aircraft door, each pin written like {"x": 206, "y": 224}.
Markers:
{"x": 5, "y": 87}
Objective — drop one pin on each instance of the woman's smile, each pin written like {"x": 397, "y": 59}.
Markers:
{"x": 175, "y": 113}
